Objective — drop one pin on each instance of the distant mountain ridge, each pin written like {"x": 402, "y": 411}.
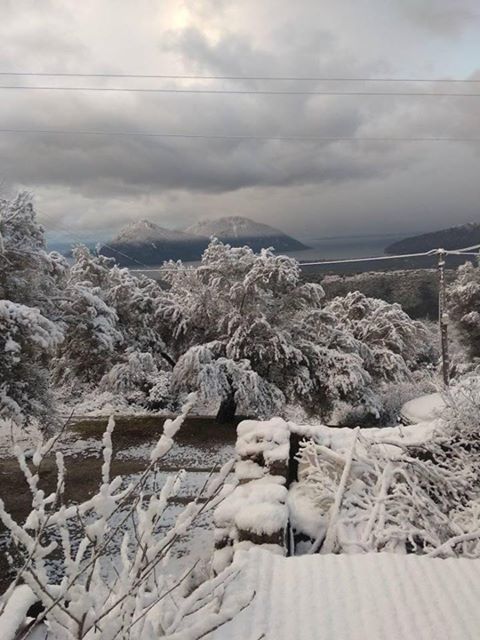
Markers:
{"x": 238, "y": 231}
{"x": 452, "y": 238}
{"x": 144, "y": 242}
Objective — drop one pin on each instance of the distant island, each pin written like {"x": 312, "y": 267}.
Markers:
{"x": 452, "y": 238}
{"x": 146, "y": 243}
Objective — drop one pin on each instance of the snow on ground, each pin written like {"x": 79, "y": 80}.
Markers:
{"x": 357, "y": 597}
{"x": 424, "y": 409}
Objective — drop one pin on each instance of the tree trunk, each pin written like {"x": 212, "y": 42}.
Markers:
{"x": 227, "y": 409}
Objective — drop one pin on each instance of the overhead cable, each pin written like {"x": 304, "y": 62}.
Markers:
{"x": 267, "y": 92}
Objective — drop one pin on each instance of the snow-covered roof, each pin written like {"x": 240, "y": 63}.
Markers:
{"x": 376, "y": 596}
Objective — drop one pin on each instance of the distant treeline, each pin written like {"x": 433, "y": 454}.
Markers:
{"x": 415, "y": 290}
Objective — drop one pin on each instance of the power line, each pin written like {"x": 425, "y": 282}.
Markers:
{"x": 371, "y": 259}
{"x": 242, "y": 91}
{"x": 431, "y": 253}
{"x": 234, "y": 77}
{"x": 207, "y": 136}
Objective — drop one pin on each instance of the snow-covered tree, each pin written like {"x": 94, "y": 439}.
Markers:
{"x": 27, "y": 341}
{"x": 255, "y": 309}
{"x": 109, "y": 315}
{"x": 139, "y": 381}
{"x": 91, "y": 335}
{"x": 31, "y": 282}
{"x": 232, "y": 383}
{"x": 389, "y": 341}
{"x": 29, "y": 274}
{"x": 464, "y": 307}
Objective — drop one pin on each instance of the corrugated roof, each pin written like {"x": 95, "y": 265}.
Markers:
{"x": 358, "y": 597}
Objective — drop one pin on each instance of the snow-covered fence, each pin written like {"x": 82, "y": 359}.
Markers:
{"x": 255, "y": 513}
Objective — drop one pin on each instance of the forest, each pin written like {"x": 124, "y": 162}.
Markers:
{"x": 243, "y": 329}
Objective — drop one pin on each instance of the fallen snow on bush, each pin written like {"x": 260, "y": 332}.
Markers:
{"x": 424, "y": 409}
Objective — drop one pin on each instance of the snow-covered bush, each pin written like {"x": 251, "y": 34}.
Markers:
{"x": 29, "y": 274}
{"x": 464, "y": 307}
{"x": 91, "y": 336}
{"x": 30, "y": 283}
{"x": 109, "y": 318}
{"x": 255, "y": 309}
{"x": 231, "y": 383}
{"x": 27, "y": 340}
{"x": 116, "y": 572}
{"x": 386, "y": 494}
{"x": 382, "y": 407}
{"x": 390, "y": 342}
{"x": 139, "y": 381}
{"x": 160, "y": 394}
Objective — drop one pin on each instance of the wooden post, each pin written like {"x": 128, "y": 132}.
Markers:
{"x": 443, "y": 317}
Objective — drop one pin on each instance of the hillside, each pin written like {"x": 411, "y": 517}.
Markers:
{"x": 452, "y": 238}
{"x": 238, "y": 231}
{"x": 147, "y": 243}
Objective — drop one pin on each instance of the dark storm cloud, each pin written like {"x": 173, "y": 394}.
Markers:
{"x": 105, "y": 181}
{"x": 443, "y": 17}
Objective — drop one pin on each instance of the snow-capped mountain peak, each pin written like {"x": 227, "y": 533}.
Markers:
{"x": 232, "y": 227}
{"x": 145, "y": 231}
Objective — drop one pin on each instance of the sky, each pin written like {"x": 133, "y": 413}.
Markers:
{"x": 87, "y": 187}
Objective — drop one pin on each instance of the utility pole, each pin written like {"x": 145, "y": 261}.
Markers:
{"x": 443, "y": 316}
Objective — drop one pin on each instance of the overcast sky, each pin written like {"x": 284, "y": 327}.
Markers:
{"x": 94, "y": 185}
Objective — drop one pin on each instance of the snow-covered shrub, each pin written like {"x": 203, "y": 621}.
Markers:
{"x": 29, "y": 275}
{"x": 133, "y": 375}
{"x": 391, "y": 343}
{"x": 464, "y": 307}
{"x": 160, "y": 394}
{"x": 373, "y": 493}
{"x": 116, "y": 580}
{"x": 256, "y": 311}
{"x": 226, "y": 382}
{"x": 91, "y": 336}
{"x": 139, "y": 381}
{"x": 31, "y": 281}
{"x": 109, "y": 315}
{"x": 383, "y": 406}
{"x": 27, "y": 339}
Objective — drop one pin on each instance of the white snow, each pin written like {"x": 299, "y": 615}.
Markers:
{"x": 305, "y": 515}
{"x": 262, "y": 518}
{"x": 357, "y": 597}
{"x": 232, "y": 227}
{"x": 269, "y": 438}
{"x": 340, "y": 438}
{"x": 424, "y": 409}
{"x": 13, "y": 616}
{"x": 146, "y": 231}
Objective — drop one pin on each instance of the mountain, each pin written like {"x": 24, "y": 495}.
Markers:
{"x": 146, "y": 243}
{"x": 238, "y": 231}
{"x": 453, "y": 238}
